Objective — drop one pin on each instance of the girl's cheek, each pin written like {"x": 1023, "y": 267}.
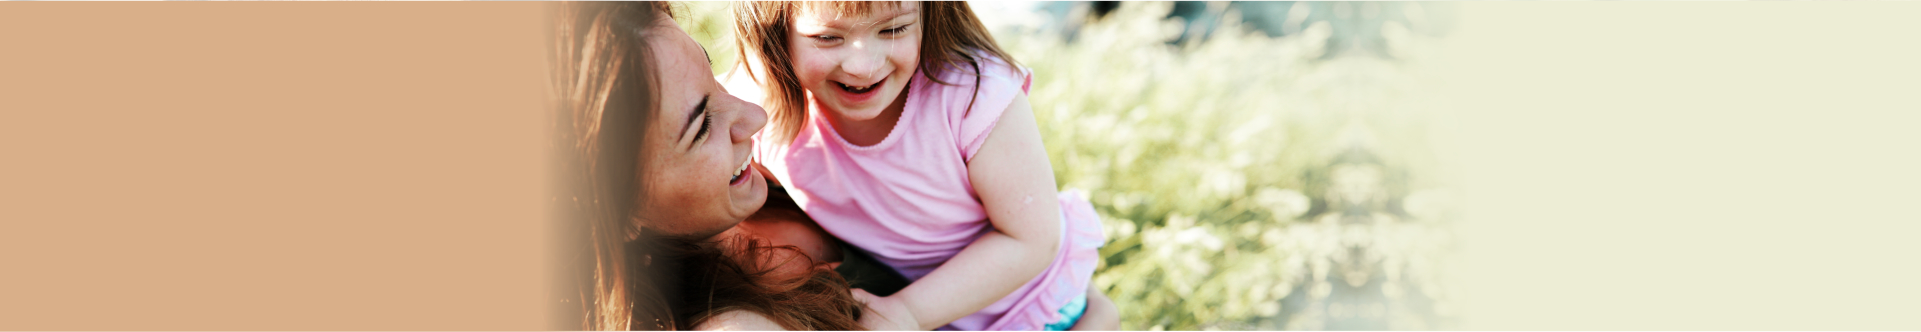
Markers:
{"x": 907, "y": 51}
{"x": 806, "y": 67}
{"x": 906, "y": 60}
{"x": 814, "y": 73}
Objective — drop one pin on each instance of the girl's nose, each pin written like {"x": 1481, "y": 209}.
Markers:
{"x": 868, "y": 60}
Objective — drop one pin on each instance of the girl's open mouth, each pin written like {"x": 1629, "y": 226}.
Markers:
{"x": 859, "y": 89}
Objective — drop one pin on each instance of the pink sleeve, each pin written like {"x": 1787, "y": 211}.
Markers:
{"x": 997, "y": 92}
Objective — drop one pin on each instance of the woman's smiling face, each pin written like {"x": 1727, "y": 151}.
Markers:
{"x": 856, "y": 66}
{"x": 694, "y": 159}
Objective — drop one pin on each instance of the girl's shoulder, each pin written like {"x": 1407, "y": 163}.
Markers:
{"x": 972, "y": 100}
{"x": 988, "y": 72}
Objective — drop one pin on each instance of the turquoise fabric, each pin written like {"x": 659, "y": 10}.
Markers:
{"x": 1070, "y": 314}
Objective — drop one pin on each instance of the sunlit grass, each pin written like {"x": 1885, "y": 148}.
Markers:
{"x": 1207, "y": 158}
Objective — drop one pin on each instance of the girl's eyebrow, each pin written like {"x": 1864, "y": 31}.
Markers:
{"x": 836, "y": 24}
{"x": 898, "y": 15}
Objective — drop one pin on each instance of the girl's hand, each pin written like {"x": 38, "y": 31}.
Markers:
{"x": 885, "y": 313}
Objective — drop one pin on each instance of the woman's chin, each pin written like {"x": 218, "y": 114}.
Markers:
{"x": 751, "y": 193}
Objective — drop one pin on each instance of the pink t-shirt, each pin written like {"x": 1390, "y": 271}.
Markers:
{"x": 908, "y": 200}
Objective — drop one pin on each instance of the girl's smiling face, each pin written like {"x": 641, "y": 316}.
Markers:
{"x": 855, "y": 66}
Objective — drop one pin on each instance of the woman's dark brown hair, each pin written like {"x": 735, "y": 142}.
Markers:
{"x": 952, "y": 38}
{"x": 606, "y": 89}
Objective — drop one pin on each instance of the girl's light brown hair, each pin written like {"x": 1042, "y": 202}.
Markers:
{"x": 606, "y": 90}
{"x": 952, "y": 38}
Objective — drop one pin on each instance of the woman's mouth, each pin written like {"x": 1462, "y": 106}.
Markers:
{"x": 740, "y": 174}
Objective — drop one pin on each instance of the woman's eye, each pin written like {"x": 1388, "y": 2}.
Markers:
{"x": 707, "y": 121}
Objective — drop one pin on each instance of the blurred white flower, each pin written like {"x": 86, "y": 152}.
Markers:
{"x": 1285, "y": 204}
{"x": 1200, "y": 237}
{"x": 1355, "y": 184}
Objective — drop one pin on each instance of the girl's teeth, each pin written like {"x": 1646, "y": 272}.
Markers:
{"x": 855, "y": 88}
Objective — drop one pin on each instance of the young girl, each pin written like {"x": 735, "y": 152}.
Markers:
{"x": 905, "y": 131}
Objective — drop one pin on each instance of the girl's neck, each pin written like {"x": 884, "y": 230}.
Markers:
{"x": 870, "y": 131}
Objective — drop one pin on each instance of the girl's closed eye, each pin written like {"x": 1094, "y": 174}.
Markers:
{"x": 896, "y": 30}
{"x": 825, "y": 38}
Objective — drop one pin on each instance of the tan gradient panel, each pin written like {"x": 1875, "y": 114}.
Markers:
{"x": 275, "y": 166}
{"x": 1679, "y": 166}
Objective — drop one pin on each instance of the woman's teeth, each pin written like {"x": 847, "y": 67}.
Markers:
{"x": 738, "y": 172}
{"x": 862, "y": 89}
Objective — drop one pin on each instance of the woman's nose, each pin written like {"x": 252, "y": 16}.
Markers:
{"x": 750, "y": 120}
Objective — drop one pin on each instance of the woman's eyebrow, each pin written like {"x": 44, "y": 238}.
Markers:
{"x": 693, "y": 115}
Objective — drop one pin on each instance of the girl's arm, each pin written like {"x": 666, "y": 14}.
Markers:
{"x": 1101, "y": 314}
{"x": 1015, "y": 182}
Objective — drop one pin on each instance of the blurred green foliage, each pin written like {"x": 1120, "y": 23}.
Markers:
{"x": 712, "y": 24}
{"x": 1245, "y": 181}
{"x": 1242, "y": 174}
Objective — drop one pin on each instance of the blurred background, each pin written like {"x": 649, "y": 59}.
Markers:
{"x": 1258, "y": 165}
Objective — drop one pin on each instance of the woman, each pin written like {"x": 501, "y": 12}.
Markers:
{"x": 655, "y": 169}
{"x": 654, "y": 155}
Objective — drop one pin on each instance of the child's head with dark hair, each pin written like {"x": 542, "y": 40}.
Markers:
{"x": 855, "y": 57}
